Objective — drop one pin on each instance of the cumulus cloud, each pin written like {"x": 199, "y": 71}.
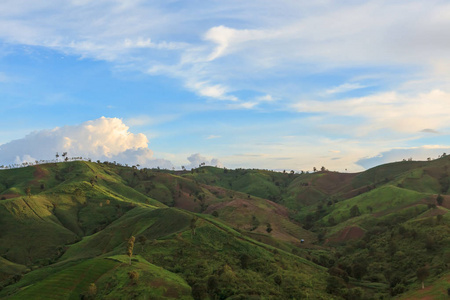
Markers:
{"x": 100, "y": 139}
{"x": 197, "y": 159}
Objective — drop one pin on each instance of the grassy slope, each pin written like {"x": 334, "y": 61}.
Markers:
{"x": 110, "y": 275}
{"x": 68, "y": 283}
{"x": 168, "y": 243}
{"x": 120, "y": 203}
{"x": 153, "y": 282}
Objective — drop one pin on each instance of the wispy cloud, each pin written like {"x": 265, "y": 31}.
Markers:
{"x": 346, "y": 87}
{"x": 210, "y": 137}
{"x": 144, "y": 120}
{"x": 250, "y": 55}
{"x": 368, "y": 33}
{"x": 3, "y": 77}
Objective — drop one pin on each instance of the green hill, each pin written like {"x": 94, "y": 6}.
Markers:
{"x": 213, "y": 233}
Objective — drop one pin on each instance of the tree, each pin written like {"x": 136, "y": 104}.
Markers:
{"x": 331, "y": 221}
{"x": 439, "y": 199}
{"x": 354, "y": 211}
{"x": 193, "y": 224}
{"x": 212, "y": 286}
{"x": 28, "y": 191}
{"x": 422, "y": 274}
{"x": 269, "y": 228}
{"x": 130, "y": 247}
{"x": 255, "y": 223}
{"x": 92, "y": 291}
{"x": 142, "y": 239}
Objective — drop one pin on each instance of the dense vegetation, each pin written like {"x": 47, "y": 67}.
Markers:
{"x": 103, "y": 231}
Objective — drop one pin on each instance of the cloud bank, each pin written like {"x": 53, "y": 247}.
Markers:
{"x": 104, "y": 139}
{"x": 101, "y": 139}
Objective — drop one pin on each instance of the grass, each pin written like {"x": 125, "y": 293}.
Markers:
{"x": 153, "y": 282}
{"x": 70, "y": 225}
{"x": 384, "y": 199}
{"x": 69, "y": 283}
{"x": 436, "y": 289}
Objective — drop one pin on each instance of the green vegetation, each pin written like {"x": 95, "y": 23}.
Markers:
{"x": 105, "y": 231}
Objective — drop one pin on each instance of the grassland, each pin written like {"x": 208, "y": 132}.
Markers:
{"x": 213, "y": 233}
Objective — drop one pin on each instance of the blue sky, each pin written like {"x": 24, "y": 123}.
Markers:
{"x": 254, "y": 84}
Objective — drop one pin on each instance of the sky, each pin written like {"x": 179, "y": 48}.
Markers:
{"x": 277, "y": 85}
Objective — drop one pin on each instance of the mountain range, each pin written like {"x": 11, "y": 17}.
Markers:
{"x": 101, "y": 230}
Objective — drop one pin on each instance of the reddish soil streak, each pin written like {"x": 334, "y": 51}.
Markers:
{"x": 39, "y": 173}
{"x": 9, "y": 196}
{"x": 348, "y": 233}
{"x": 332, "y": 182}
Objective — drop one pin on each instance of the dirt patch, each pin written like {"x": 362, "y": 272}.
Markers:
{"x": 279, "y": 209}
{"x": 170, "y": 291}
{"x": 333, "y": 182}
{"x": 435, "y": 212}
{"x": 446, "y": 202}
{"x": 216, "y": 191}
{"x": 237, "y": 203}
{"x": 348, "y": 233}
{"x": 186, "y": 202}
{"x": 9, "y": 196}
{"x": 39, "y": 173}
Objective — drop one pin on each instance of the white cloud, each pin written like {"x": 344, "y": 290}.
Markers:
{"x": 260, "y": 39}
{"x": 393, "y": 111}
{"x": 266, "y": 98}
{"x": 346, "y": 87}
{"x": 100, "y": 139}
{"x": 206, "y": 89}
{"x": 212, "y": 136}
{"x": 142, "y": 120}
{"x": 195, "y": 160}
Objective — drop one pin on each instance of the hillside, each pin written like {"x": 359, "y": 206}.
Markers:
{"x": 213, "y": 233}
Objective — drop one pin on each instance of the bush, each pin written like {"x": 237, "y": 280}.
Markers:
{"x": 398, "y": 289}
{"x": 334, "y": 285}
{"x": 134, "y": 276}
{"x": 354, "y": 294}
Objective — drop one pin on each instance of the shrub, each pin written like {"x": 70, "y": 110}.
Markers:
{"x": 134, "y": 276}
